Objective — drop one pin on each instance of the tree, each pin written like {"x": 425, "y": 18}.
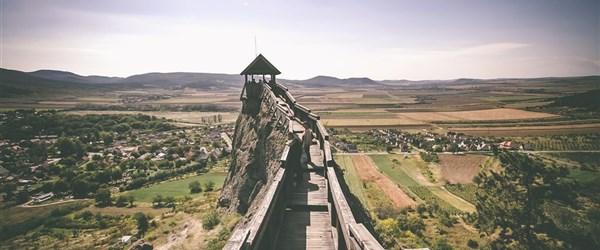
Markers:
{"x": 495, "y": 149}
{"x": 195, "y": 187}
{"x": 209, "y": 186}
{"x": 39, "y": 153}
{"x": 121, "y": 201}
{"x": 158, "y": 200}
{"x": 65, "y": 146}
{"x": 131, "y": 200}
{"x": 169, "y": 201}
{"x": 442, "y": 244}
{"x": 103, "y": 197}
{"x": 107, "y": 139}
{"x": 60, "y": 186}
{"x": 22, "y": 196}
{"x": 8, "y": 188}
{"x": 512, "y": 201}
{"x": 80, "y": 188}
{"x": 142, "y": 223}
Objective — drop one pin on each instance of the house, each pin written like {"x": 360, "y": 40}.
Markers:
{"x": 403, "y": 147}
{"x": 3, "y": 171}
{"x": 203, "y": 153}
{"x": 43, "y": 197}
{"x": 126, "y": 239}
{"x": 506, "y": 145}
{"x": 217, "y": 153}
{"x": 352, "y": 148}
{"x": 526, "y": 146}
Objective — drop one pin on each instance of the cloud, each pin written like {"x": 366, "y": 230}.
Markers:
{"x": 480, "y": 50}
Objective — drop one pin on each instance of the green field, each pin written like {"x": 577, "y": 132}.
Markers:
{"x": 453, "y": 199}
{"x": 465, "y": 191}
{"x": 17, "y": 214}
{"x": 427, "y": 195}
{"x": 368, "y": 193}
{"x": 582, "y": 157}
{"x": 397, "y": 167}
{"x": 583, "y": 177}
{"x": 394, "y": 171}
{"x": 515, "y": 98}
{"x": 178, "y": 188}
{"x": 351, "y": 176}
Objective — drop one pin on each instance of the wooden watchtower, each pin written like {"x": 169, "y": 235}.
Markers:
{"x": 253, "y": 87}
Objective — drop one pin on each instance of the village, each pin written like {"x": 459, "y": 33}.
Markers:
{"x": 432, "y": 142}
{"x": 46, "y": 166}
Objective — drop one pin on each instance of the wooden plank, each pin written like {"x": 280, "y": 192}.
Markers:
{"x": 328, "y": 156}
{"x": 237, "y": 240}
{"x": 302, "y": 108}
{"x": 343, "y": 211}
{"x": 322, "y": 131}
{"x": 284, "y": 155}
{"x": 364, "y": 238}
{"x": 305, "y": 230}
{"x": 298, "y": 128}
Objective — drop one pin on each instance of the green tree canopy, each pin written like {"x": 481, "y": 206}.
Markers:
{"x": 512, "y": 201}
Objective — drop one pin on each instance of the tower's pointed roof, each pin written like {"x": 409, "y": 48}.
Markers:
{"x": 260, "y": 66}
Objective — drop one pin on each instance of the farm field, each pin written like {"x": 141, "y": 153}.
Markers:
{"x": 369, "y": 193}
{"x": 18, "y": 214}
{"x": 464, "y": 191}
{"x": 461, "y": 168}
{"x": 177, "y": 188}
{"x": 477, "y": 115}
{"x": 584, "y": 177}
{"x": 531, "y": 130}
{"x": 456, "y": 201}
{"x": 560, "y": 143}
{"x": 420, "y": 186}
{"x": 187, "y": 117}
{"x": 592, "y": 159}
{"x": 351, "y": 176}
{"x": 367, "y": 170}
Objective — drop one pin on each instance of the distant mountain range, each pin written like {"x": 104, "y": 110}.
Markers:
{"x": 13, "y": 82}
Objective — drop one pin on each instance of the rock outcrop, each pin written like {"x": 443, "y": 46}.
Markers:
{"x": 257, "y": 148}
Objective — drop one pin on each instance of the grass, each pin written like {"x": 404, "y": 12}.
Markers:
{"x": 583, "y": 177}
{"x": 351, "y": 177}
{"x": 397, "y": 173}
{"x": 368, "y": 193}
{"x": 465, "y": 191}
{"x": 177, "y": 188}
{"x": 17, "y": 214}
{"x": 428, "y": 196}
{"x": 394, "y": 171}
{"x": 582, "y": 157}
{"x": 98, "y": 99}
{"x": 452, "y": 199}
{"x": 515, "y": 98}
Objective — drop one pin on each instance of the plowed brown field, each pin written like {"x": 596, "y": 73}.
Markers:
{"x": 460, "y": 168}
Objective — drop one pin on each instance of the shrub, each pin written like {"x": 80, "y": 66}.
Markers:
{"x": 195, "y": 187}
{"x": 209, "y": 186}
{"x": 210, "y": 220}
{"x": 472, "y": 244}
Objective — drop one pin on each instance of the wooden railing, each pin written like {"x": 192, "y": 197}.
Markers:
{"x": 262, "y": 231}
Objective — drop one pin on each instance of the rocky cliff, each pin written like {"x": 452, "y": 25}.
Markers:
{"x": 257, "y": 148}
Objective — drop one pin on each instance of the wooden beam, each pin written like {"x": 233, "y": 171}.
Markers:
{"x": 237, "y": 240}
{"x": 364, "y": 238}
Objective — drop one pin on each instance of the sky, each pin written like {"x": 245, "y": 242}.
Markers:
{"x": 395, "y": 39}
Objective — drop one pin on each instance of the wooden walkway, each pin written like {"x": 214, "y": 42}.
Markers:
{"x": 307, "y": 222}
